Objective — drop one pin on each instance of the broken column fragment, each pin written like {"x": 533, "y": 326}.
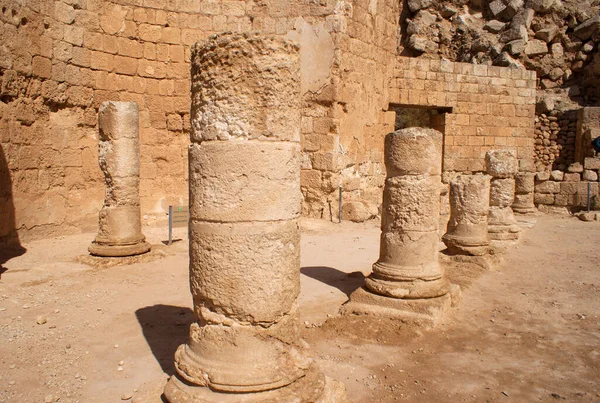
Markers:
{"x": 245, "y": 201}
{"x": 467, "y": 232}
{"x": 407, "y": 281}
{"x": 502, "y": 166}
{"x": 524, "y": 193}
{"x": 120, "y": 226}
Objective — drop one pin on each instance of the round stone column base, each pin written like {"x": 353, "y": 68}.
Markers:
{"x": 383, "y": 282}
{"x": 524, "y": 210}
{"x": 313, "y": 387}
{"x": 466, "y": 246}
{"x": 422, "y": 312}
{"x": 104, "y": 250}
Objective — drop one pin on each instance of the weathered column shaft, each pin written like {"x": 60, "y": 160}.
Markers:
{"x": 120, "y": 228}
{"x": 467, "y": 231}
{"x": 245, "y": 200}
{"x": 408, "y": 260}
{"x": 502, "y": 166}
{"x": 524, "y": 193}
{"x": 407, "y": 281}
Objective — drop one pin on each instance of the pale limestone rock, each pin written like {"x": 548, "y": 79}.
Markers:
{"x": 120, "y": 226}
{"x": 467, "y": 232}
{"x": 407, "y": 281}
{"x": 244, "y": 236}
{"x": 502, "y": 166}
{"x": 524, "y": 193}
{"x": 536, "y": 47}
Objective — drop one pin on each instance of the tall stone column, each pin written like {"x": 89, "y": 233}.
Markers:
{"x": 467, "y": 232}
{"x": 245, "y": 201}
{"x": 502, "y": 166}
{"x": 524, "y": 193}
{"x": 120, "y": 225}
{"x": 407, "y": 281}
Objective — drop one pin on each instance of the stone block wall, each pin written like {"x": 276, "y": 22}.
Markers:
{"x": 343, "y": 146}
{"x": 60, "y": 59}
{"x": 570, "y": 188}
{"x": 565, "y": 160}
{"x": 492, "y": 107}
{"x": 555, "y": 134}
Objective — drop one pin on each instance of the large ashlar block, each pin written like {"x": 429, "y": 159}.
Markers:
{"x": 245, "y": 199}
{"x": 502, "y": 165}
{"x": 467, "y": 232}
{"x": 407, "y": 281}
{"x": 120, "y": 225}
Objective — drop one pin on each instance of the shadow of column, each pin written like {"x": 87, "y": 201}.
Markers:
{"x": 10, "y": 245}
{"x": 345, "y": 282}
{"x": 165, "y": 327}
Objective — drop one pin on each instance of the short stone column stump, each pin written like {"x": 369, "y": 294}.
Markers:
{"x": 467, "y": 232}
{"x": 407, "y": 281}
{"x": 524, "y": 193}
{"x": 502, "y": 166}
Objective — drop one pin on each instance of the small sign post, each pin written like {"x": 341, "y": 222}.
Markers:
{"x": 178, "y": 217}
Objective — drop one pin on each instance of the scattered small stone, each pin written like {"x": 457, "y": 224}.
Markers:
{"x": 13, "y": 366}
{"x": 48, "y": 399}
{"x": 505, "y": 393}
{"x": 41, "y": 320}
{"x": 120, "y": 368}
{"x": 2, "y": 309}
{"x": 126, "y": 396}
{"x": 116, "y": 346}
{"x": 557, "y": 396}
{"x": 26, "y": 306}
{"x": 56, "y": 310}
{"x": 68, "y": 346}
{"x": 11, "y": 382}
{"x": 121, "y": 363}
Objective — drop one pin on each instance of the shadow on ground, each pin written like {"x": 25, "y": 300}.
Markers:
{"x": 9, "y": 252}
{"x": 345, "y": 282}
{"x": 165, "y": 327}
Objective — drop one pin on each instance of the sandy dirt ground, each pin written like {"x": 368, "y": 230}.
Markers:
{"x": 528, "y": 330}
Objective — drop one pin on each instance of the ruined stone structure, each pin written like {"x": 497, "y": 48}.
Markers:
{"x": 467, "y": 232}
{"x": 407, "y": 281}
{"x": 120, "y": 225}
{"x": 565, "y": 161}
{"x": 502, "y": 166}
{"x": 244, "y": 237}
{"x": 61, "y": 60}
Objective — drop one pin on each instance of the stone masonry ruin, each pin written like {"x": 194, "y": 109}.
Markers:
{"x": 62, "y": 59}
{"x": 446, "y": 122}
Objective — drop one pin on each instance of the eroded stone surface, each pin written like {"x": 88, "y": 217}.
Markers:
{"x": 408, "y": 267}
{"x": 467, "y": 231}
{"x": 244, "y": 235}
{"x": 502, "y": 166}
{"x": 120, "y": 227}
{"x": 524, "y": 193}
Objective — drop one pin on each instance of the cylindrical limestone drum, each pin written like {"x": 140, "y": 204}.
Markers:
{"x": 467, "y": 231}
{"x": 120, "y": 227}
{"x": 408, "y": 264}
